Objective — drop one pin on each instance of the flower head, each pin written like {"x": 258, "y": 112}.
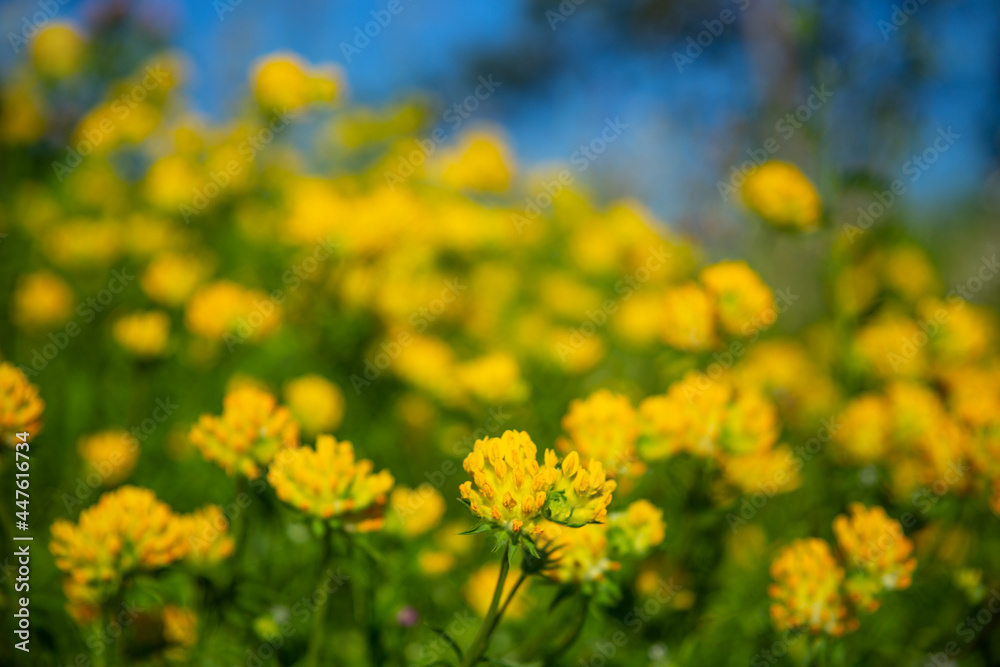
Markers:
{"x": 317, "y": 403}
{"x": 580, "y": 495}
{"x": 602, "y": 427}
{"x": 743, "y": 302}
{"x": 806, "y": 592}
{"x": 284, "y": 81}
{"x": 874, "y": 544}
{"x": 783, "y": 196}
{"x": 127, "y": 531}
{"x": 20, "y": 407}
{"x": 579, "y": 555}
{"x": 415, "y": 511}
{"x": 508, "y": 488}
{"x": 250, "y": 432}
{"x": 111, "y": 455}
{"x": 42, "y": 299}
{"x": 637, "y": 530}
{"x": 207, "y": 533}
{"x": 143, "y": 334}
{"x": 329, "y": 483}
{"x": 688, "y": 321}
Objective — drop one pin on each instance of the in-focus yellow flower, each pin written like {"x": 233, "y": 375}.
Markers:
{"x": 875, "y": 545}
{"x": 171, "y": 278}
{"x": 42, "y": 300}
{"x": 743, "y": 303}
{"x": 316, "y": 403}
{"x": 328, "y": 483}
{"x": 688, "y": 318}
{"x": 478, "y": 592}
{"x": 248, "y": 435}
{"x": 413, "y": 512}
{"x": 20, "y": 407}
{"x": 143, "y": 335}
{"x": 508, "y": 488}
{"x": 283, "y": 81}
{"x": 58, "y": 50}
{"x": 602, "y": 427}
{"x": 110, "y": 455}
{"x": 127, "y": 531}
{"x": 207, "y": 533}
{"x": 783, "y": 196}
{"x": 580, "y": 495}
{"x": 637, "y": 530}
{"x": 806, "y": 592}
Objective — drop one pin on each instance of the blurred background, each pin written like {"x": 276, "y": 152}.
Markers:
{"x": 698, "y": 83}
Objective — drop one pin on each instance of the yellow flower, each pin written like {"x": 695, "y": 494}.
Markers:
{"x": 494, "y": 378}
{"x": 806, "y": 592}
{"x": 328, "y": 483}
{"x": 283, "y": 81}
{"x": 783, "y": 196}
{"x": 478, "y": 592}
{"x": 889, "y": 347}
{"x": 688, "y": 318}
{"x": 580, "y": 555}
{"x": 743, "y": 303}
{"x": 580, "y": 495}
{"x": 248, "y": 435}
{"x": 20, "y": 407}
{"x": 143, "y": 335}
{"x": 415, "y": 511}
{"x": 180, "y": 632}
{"x": 637, "y": 530}
{"x": 207, "y": 534}
{"x": 127, "y": 531}
{"x": 171, "y": 278}
{"x": 111, "y": 455}
{"x": 435, "y": 563}
{"x": 317, "y": 403}
{"x": 874, "y": 544}
{"x": 865, "y": 428}
{"x": 773, "y": 471}
{"x": 480, "y": 162}
{"x": 222, "y": 309}
{"x": 41, "y": 300}
{"x": 605, "y": 427}
{"x": 508, "y": 488}
{"x": 58, "y": 50}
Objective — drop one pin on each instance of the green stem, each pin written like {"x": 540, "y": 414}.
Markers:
{"x": 479, "y": 644}
{"x": 319, "y": 616}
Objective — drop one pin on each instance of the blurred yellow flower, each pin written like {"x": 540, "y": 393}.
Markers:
{"x": 413, "y": 512}
{"x": 494, "y": 378}
{"x": 478, "y": 592}
{"x": 20, "y": 407}
{"x": 180, "y": 632}
{"x": 42, "y": 299}
{"x": 743, "y": 303}
{"x": 806, "y": 592}
{"x": 688, "y": 316}
{"x": 874, "y": 544}
{"x": 328, "y": 483}
{"x": 602, "y": 427}
{"x": 283, "y": 81}
{"x": 637, "y": 530}
{"x": 783, "y": 196}
{"x": 207, "y": 534}
{"x": 111, "y": 455}
{"x": 248, "y": 435}
{"x": 581, "y": 555}
{"x": 481, "y": 161}
{"x": 171, "y": 278}
{"x": 127, "y": 531}
{"x": 316, "y": 403}
{"x": 228, "y": 311}
{"x": 58, "y": 50}
{"x": 143, "y": 335}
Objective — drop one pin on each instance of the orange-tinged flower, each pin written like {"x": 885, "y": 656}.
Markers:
{"x": 20, "y": 407}
{"x": 806, "y": 592}
{"x": 875, "y": 544}
{"x": 111, "y": 455}
{"x": 602, "y": 427}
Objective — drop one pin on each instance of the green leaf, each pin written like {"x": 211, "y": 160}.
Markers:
{"x": 481, "y": 528}
{"x": 451, "y": 642}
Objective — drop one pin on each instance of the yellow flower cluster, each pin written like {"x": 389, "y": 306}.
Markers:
{"x": 732, "y": 300}
{"x": 316, "y": 403}
{"x": 224, "y": 308}
{"x": 413, "y": 512}
{"x": 207, "y": 532}
{"x": 42, "y": 299}
{"x": 111, "y": 455}
{"x": 58, "y": 50}
{"x": 127, "y": 531}
{"x": 637, "y": 530}
{"x": 581, "y": 555}
{"x": 329, "y": 483}
{"x": 143, "y": 335}
{"x": 508, "y": 488}
{"x": 875, "y": 545}
{"x": 580, "y": 495}
{"x": 603, "y": 427}
{"x": 248, "y": 435}
{"x": 283, "y": 81}
{"x": 810, "y": 590}
{"x": 783, "y": 196}
{"x": 171, "y": 278}
{"x": 20, "y": 407}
